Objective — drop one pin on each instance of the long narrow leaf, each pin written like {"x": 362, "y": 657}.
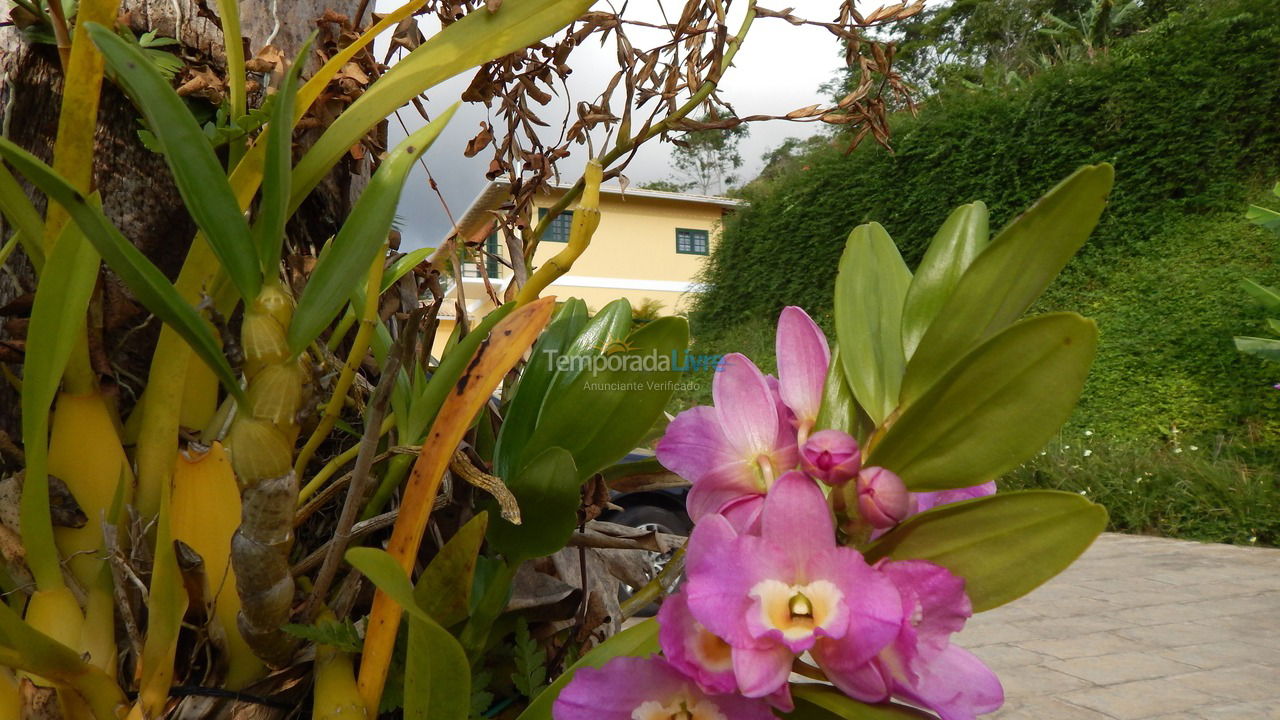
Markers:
{"x": 142, "y": 278}
{"x": 57, "y": 320}
{"x": 476, "y": 39}
{"x": 196, "y": 170}
{"x": 268, "y": 229}
{"x": 17, "y": 207}
{"x": 347, "y": 258}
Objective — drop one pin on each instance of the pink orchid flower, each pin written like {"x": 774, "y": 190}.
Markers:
{"x": 698, "y": 653}
{"x": 803, "y": 359}
{"x": 774, "y": 596}
{"x": 732, "y": 450}
{"x": 648, "y": 689}
{"x": 921, "y": 665}
{"x": 922, "y": 501}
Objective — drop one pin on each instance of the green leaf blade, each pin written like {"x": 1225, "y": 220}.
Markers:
{"x": 953, "y": 249}
{"x": 196, "y": 171}
{"x": 994, "y": 409}
{"x": 870, "y": 290}
{"x": 1004, "y": 545}
{"x": 143, "y": 279}
{"x": 1007, "y": 277}
{"x": 347, "y": 258}
{"x": 273, "y": 211}
{"x": 548, "y": 492}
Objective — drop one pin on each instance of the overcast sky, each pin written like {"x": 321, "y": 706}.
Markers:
{"x": 779, "y": 68}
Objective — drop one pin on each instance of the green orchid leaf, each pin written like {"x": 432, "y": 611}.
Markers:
{"x": 273, "y": 212}
{"x": 1003, "y": 545}
{"x": 143, "y": 279}
{"x": 1268, "y": 297}
{"x": 604, "y": 333}
{"x": 1007, "y": 277}
{"x": 839, "y": 410}
{"x": 444, "y": 588}
{"x": 994, "y": 409}
{"x": 57, "y": 322}
{"x": 437, "y": 677}
{"x": 548, "y": 492}
{"x": 1265, "y": 348}
{"x": 822, "y": 702}
{"x": 17, "y": 207}
{"x": 437, "y": 674}
{"x": 870, "y": 290}
{"x": 526, "y": 401}
{"x": 197, "y": 173}
{"x": 636, "y": 641}
{"x": 472, "y": 41}
{"x": 953, "y": 249}
{"x": 609, "y": 407}
{"x": 347, "y": 258}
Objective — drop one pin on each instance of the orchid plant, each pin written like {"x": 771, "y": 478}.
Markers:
{"x": 847, "y": 520}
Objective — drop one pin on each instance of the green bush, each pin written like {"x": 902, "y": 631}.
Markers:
{"x": 1189, "y": 113}
{"x": 1179, "y": 489}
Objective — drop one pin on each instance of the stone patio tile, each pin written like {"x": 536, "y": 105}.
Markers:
{"x": 1046, "y": 709}
{"x": 1008, "y": 656}
{"x": 1081, "y": 646}
{"x": 1173, "y": 634}
{"x": 1247, "y": 682}
{"x": 1120, "y": 667}
{"x": 1053, "y": 628}
{"x": 1237, "y": 711}
{"x": 1032, "y": 680}
{"x": 1208, "y": 656}
{"x": 1141, "y": 698}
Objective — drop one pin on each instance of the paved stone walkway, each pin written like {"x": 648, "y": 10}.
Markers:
{"x": 1142, "y": 628}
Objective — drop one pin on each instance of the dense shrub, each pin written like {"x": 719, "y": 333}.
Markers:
{"x": 1189, "y": 113}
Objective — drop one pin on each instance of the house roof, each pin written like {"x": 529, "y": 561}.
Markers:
{"x": 497, "y": 191}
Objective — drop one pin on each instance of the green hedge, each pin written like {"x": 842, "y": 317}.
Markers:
{"x": 1188, "y": 112}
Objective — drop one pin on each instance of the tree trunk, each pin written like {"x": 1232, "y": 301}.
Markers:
{"x": 137, "y": 191}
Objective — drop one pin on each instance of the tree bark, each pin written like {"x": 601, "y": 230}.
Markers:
{"x": 137, "y": 191}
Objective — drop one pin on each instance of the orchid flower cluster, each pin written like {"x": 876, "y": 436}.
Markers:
{"x": 770, "y": 589}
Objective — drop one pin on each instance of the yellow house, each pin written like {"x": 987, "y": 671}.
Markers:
{"x": 649, "y": 247}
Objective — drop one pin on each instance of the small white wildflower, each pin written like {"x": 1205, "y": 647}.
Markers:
{"x": 1194, "y": 448}
{"x": 1088, "y": 452}
{"x": 1177, "y": 450}
{"x": 1066, "y": 447}
{"x": 1082, "y": 492}
{"x": 1088, "y": 433}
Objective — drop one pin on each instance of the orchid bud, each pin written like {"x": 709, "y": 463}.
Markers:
{"x": 883, "y": 499}
{"x": 831, "y": 456}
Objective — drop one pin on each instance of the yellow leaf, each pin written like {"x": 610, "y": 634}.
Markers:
{"x": 493, "y": 359}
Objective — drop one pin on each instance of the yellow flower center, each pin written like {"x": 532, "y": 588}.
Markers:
{"x": 710, "y": 651}
{"x": 796, "y": 610}
{"x": 680, "y": 707}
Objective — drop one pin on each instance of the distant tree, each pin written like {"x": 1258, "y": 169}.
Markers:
{"x": 665, "y": 186}
{"x": 708, "y": 158}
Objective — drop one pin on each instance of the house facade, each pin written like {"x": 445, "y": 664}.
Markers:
{"x": 649, "y": 248}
